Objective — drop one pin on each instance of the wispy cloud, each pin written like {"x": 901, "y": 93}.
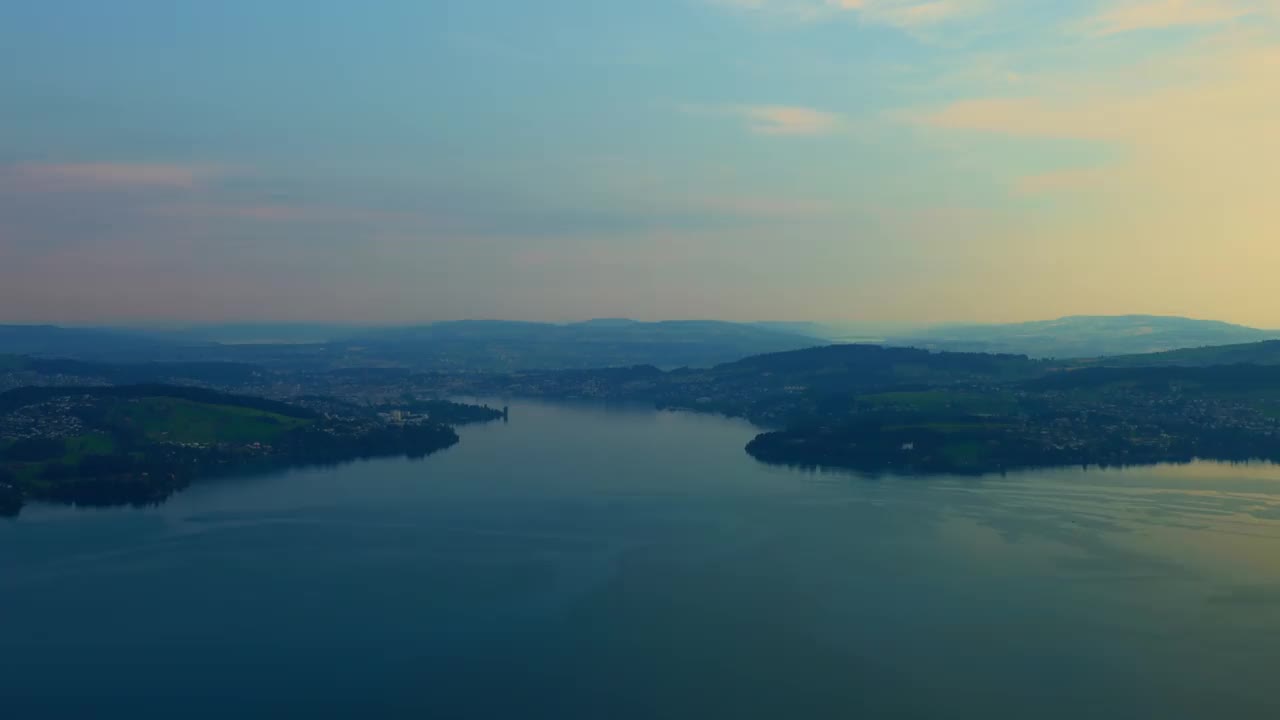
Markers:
{"x": 1159, "y": 14}
{"x": 1032, "y": 117}
{"x": 106, "y": 176}
{"x": 777, "y": 120}
{"x": 788, "y": 9}
{"x": 911, "y": 13}
{"x": 1186, "y": 189}
{"x": 907, "y": 14}
{"x": 1224, "y": 92}
{"x": 274, "y": 212}
{"x": 762, "y": 206}
{"x": 1065, "y": 181}
{"x": 788, "y": 120}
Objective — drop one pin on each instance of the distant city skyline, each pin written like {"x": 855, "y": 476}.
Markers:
{"x": 410, "y": 161}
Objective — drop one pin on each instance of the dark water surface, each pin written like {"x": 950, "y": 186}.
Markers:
{"x": 590, "y": 563}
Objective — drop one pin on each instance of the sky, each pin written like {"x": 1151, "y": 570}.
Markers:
{"x": 397, "y": 161}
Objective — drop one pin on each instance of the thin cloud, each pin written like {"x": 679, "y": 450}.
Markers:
{"x": 1194, "y": 160}
{"x": 775, "y": 120}
{"x": 269, "y": 212}
{"x": 1028, "y": 117}
{"x": 1066, "y": 181}
{"x": 762, "y": 206}
{"x": 788, "y": 120}
{"x": 1163, "y": 14}
{"x": 801, "y": 10}
{"x": 906, "y": 14}
{"x": 106, "y": 176}
{"x": 910, "y": 13}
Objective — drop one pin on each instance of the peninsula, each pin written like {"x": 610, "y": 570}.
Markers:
{"x": 138, "y": 444}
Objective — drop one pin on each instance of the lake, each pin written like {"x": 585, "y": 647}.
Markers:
{"x": 590, "y": 562}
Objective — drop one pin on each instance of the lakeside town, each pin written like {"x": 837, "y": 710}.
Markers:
{"x": 862, "y": 407}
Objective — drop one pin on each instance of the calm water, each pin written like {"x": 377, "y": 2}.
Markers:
{"x": 590, "y": 563}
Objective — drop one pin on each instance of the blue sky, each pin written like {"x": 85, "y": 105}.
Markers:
{"x": 404, "y": 161}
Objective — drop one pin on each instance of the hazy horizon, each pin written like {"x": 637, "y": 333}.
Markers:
{"x": 402, "y": 162}
{"x": 831, "y": 323}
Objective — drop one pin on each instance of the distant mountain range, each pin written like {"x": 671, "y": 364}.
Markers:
{"x": 484, "y": 345}
{"x": 253, "y": 333}
{"x": 1084, "y": 336}
{"x": 85, "y": 343}
{"x": 499, "y": 346}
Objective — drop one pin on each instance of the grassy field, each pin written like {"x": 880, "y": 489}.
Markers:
{"x": 91, "y": 444}
{"x": 76, "y": 449}
{"x": 178, "y": 420}
{"x": 160, "y": 419}
{"x": 963, "y": 454}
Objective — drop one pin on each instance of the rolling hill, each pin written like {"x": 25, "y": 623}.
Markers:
{"x": 94, "y": 343}
{"x": 1266, "y": 352}
{"x": 494, "y": 345}
{"x": 1085, "y": 336}
{"x": 473, "y": 345}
